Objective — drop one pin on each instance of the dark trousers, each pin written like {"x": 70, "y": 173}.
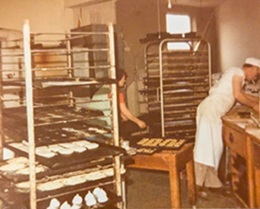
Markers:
{"x": 127, "y": 128}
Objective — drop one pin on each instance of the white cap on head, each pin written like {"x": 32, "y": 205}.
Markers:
{"x": 253, "y": 61}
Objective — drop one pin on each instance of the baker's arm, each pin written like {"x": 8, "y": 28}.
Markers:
{"x": 252, "y": 98}
{"x": 126, "y": 114}
{"x": 240, "y": 95}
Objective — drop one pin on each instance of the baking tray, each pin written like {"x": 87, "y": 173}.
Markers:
{"x": 14, "y": 199}
{"x": 13, "y": 176}
{"x": 60, "y": 161}
{"x": 76, "y": 168}
{"x": 69, "y": 131}
{"x": 48, "y": 126}
{"x": 157, "y": 144}
{"x": 65, "y": 192}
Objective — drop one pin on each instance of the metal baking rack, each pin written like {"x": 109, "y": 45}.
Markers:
{"x": 176, "y": 81}
{"x": 44, "y": 72}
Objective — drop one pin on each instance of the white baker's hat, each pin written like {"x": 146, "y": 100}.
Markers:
{"x": 253, "y": 61}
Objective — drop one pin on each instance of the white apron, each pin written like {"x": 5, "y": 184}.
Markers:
{"x": 209, "y": 144}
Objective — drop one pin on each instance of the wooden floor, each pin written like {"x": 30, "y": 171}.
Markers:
{"x": 150, "y": 190}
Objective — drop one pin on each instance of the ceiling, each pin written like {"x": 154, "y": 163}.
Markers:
{"x": 194, "y": 3}
{"x": 197, "y": 3}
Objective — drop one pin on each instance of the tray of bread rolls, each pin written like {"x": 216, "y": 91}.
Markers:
{"x": 17, "y": 169}
{"x": 66, "y": 153}
{"x": 151, "y": 145}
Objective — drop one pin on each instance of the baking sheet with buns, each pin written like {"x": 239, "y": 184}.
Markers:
{"x": 68, "y": 153}
{"x": 151, "y": 145}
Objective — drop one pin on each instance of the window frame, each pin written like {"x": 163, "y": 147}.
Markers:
{"x": 179, "y": 45}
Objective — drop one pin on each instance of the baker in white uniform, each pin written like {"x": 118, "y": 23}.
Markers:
{"x": 208, "y": 143}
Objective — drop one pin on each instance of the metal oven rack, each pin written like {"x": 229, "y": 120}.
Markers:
{"x": 49, "y": 73}
{"x": 176, "y": 81}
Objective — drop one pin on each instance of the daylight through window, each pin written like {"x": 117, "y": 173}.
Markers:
{"x": 178, "y": 24}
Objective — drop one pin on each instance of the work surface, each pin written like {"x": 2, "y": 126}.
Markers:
{"x": 172, "y": 161}
{"x": 245, "y": 119}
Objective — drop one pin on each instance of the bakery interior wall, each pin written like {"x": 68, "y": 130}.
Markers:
{"x": 141, "y": 18}
{"x": 43, "y": 15}
{"x": 238, "y": 32}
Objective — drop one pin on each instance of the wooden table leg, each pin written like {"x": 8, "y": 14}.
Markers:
{"x": 250, "y": 174}
{"x": 173, "y": 162}
{"x": 174, "y": 184}
{"x": 191, "y": 182}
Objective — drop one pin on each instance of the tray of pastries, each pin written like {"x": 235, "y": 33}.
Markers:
{"x": 158, "y": 144}
{"x": 17, "y": 169}
{"x": 67, "y": 153}
{"x": 65, "y": 182}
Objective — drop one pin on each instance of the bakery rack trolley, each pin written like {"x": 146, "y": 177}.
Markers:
{"x": 176, "y": 81}
{"x": 51, "y": 77}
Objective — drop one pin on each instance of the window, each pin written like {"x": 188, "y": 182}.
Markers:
{"x": 178, "y": 24}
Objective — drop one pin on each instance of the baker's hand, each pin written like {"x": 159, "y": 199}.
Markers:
{"x": 141, "y": 124}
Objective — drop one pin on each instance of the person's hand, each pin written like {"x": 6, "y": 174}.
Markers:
{"x": 141, "y": 124}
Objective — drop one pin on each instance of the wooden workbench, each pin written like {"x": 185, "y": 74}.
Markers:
{"x": 242, "y": 138}
{"x": 172, "y": 162}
